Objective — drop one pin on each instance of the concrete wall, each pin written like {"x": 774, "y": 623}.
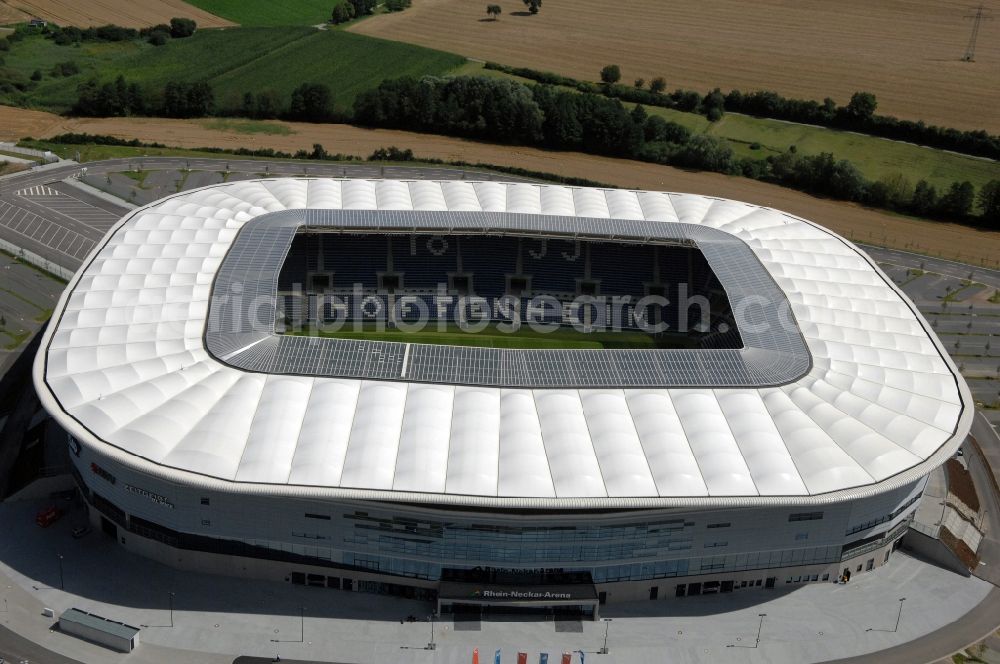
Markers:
{"x": 935, "y": 551}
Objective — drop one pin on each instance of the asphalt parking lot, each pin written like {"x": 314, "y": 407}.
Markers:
{"x": 27, "y": 297}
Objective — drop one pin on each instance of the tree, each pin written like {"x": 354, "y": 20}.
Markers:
{"x": 493, "y": 11}
{"x": 342, "y": 13}
{"x": 310, "y": 102}
{"x": 158, "y": 38}
{"x": 706, "y": 152}
{"x": 247, "y": 110}
{"x": 268, "y": 104}
{"x": 957, "y": 201}
{"x": 533, "y": 5}
{"x": 639, "y": 115}
{"x": 989, "y": 202}
{"x": 362, "y": 7}
{"x": 639, "y": 83}
{"x": 657, "y": 129}
{"x": 924, "y": 198}
{"x": 714, "y": 105}
{"x": 611, "y": 74}
{"x": 181, "y": 100}
{"x": 861, "y": 107}
{"x": 182, "y": 27}
{"x": 658, "y": 85}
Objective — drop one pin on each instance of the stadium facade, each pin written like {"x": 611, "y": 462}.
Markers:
{"x": 781, "y": 439}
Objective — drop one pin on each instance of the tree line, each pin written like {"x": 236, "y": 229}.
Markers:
{"x": 309, "y": 102}
{"x": 506, "y": 111}
{"x": 158, "y": 35}
{"x": 857, "y": 115}
{"x": 348, "y": 10}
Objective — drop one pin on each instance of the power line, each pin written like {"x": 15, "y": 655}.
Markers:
{"x": 977, "y": 19}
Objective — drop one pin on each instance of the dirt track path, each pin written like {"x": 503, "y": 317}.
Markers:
{"x": 946, "y": 240}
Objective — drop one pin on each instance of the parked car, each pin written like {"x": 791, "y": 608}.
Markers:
{"x": 80, "y": 532}
{"x": 48, "y": 516}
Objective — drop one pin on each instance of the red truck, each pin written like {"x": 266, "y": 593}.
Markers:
{"x": 48, "y": 516}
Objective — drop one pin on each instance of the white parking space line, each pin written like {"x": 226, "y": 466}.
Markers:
{"x": 49, "y": 235}
{"x": 38, "y": 190}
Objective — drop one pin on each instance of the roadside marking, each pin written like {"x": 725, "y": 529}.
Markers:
{"x": 38, "y": 190}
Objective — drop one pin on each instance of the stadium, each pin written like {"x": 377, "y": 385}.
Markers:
{"x": 496, "y": 396}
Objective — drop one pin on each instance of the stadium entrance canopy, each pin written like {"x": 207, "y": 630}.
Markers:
{"x": 544, "y": 592}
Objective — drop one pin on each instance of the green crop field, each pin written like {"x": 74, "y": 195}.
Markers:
{"x": 234, "y": 61}
{"x": 491, "y": 337}
{"x": 348, "y": 63}
{"x": 269, "y": 12}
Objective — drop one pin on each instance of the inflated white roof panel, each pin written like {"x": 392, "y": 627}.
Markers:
{"x": 124, "y": 368}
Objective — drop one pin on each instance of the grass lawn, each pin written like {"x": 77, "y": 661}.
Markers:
{"x": 234, "y": 61}
{"x": 491, "y": 337}
{"x": 875, "y": 157}
{"x": 261, "y": 13}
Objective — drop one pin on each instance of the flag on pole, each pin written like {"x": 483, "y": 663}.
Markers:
{"x": 475, "y": 656}
{"x": 583, "y": 656}
{"x": 543, "y": 658}
{"x": 522, "y": 658}
{"x": 496, "y": 657}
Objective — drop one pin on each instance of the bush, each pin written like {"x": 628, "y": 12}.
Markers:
{"x": 342, "y": 13}
{"x": 391, "y": 153}
{"x": 157, "y": 35}
{"x": 182, "y": 27}
{"x": 68, "y": 68}
{"x": 611, "y": 74}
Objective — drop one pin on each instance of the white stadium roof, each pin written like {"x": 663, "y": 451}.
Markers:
{"x": 124, "y": 368}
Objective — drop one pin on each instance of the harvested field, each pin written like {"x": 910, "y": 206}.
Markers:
{"x": 907, "y": 53}
{"x": 129, "y": 13}
{"x": 269, "y": 12}
{"x": 948, "y": 240}
{"x": 10, "y": 14}
{"x": 17, "y": 123}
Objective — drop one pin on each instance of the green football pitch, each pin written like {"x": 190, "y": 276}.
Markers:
{"x": 494, "y": 337}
